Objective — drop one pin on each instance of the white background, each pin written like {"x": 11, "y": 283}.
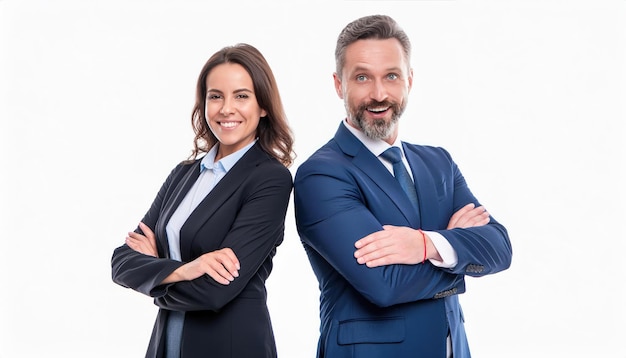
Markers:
{"x": 95, "y": 103}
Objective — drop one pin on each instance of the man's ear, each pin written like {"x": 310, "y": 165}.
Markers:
{"x": 338, "y": 85}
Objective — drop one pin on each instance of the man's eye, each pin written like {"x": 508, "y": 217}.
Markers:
{"x": 392, "y": 76}
{"x": 361, "y": 78}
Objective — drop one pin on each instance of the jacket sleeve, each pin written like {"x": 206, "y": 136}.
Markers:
{"x": 481, "y": 250}
{"x": 257, "y": 229}
{"x": 135, "y": 270}
{"x": 331, "y": 215}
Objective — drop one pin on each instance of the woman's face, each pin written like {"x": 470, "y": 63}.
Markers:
{"x": 231, "y": 108}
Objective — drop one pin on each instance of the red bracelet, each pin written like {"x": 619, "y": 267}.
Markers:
{"x": 424, "y": 238}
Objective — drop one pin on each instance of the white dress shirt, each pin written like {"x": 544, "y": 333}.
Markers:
{"x": 446, "y": 251}
{"x": 377, "y": 147}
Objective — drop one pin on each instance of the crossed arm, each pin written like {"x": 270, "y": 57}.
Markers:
{"x": 253, "y": 236}
{"x": 392, "y": 245}
{"x": 404, "y": 245}
{"x": 221, "y": 265}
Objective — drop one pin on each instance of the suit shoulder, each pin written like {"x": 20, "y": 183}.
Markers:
{"x": 181, "y": 168}
{"x": 186, "y": 164}
{"x": 426, "y": 151}
{"x": 269, "y": 166}
{"x": 324, "y": 155}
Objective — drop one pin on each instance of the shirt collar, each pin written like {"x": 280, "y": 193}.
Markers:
{"x": 376, "y": 146}
{"x": 226, "y": 163}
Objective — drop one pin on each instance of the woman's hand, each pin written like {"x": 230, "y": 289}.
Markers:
{"x": 222, "y": 265}
{"x": 146, "y": 244}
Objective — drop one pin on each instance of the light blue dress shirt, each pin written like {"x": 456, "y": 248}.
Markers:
{"x": 211, "y": 173}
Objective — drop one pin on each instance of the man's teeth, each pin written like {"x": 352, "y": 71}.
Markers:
{"x": 377, "y": 109}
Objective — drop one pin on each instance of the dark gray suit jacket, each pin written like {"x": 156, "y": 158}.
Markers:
{"x": 245, "y": 212}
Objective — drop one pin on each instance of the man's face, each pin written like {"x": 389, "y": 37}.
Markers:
{"x": 374, "y": 85}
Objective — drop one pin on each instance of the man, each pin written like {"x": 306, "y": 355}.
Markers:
{"x": 390, "y": 268}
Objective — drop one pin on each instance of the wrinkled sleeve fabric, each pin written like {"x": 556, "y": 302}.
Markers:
{"x": 481, "y": 250}
{"x": 135, "y": 270}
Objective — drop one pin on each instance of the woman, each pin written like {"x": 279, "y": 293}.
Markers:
{"x": 204, "y": 249}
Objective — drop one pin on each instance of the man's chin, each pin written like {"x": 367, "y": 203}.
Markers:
{"x": 375, "y": 132}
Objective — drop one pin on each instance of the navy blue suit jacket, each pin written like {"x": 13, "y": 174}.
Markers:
{"x": 343, "y": 193}
{"x": 245, "y": 212}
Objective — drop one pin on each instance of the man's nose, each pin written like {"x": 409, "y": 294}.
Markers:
{"x": 378, "y": 91}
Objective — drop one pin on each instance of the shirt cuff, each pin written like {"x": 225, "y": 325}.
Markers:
{"x": 446, "y": 251}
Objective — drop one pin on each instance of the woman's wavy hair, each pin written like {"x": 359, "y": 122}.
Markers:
{"x": 275, "y": 135}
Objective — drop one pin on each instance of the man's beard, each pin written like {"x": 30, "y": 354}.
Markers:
{"x": 378, "y": 128}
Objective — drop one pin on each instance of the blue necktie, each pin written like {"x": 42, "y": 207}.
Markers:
{"x": 394, "y": 155}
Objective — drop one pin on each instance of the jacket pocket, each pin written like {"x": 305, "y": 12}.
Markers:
{"x": 381, "y": 330}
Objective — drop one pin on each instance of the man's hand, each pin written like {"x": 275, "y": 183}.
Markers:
{"x": 404, "y": 245}
{"x": 392, "y": 245}
{"x": 469, "y": 216}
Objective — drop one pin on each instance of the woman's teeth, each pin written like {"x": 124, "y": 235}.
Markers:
{"x": 229, "y": 124}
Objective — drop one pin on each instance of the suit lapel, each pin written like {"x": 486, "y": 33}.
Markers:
{"x": 223, "y": 191}
{"x": 376, "y": 171}
{"x": 178, "y": 194}
{"x": 425, "y": 186}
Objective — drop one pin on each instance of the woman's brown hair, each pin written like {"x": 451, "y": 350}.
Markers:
{"x": 275, "y": 136}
